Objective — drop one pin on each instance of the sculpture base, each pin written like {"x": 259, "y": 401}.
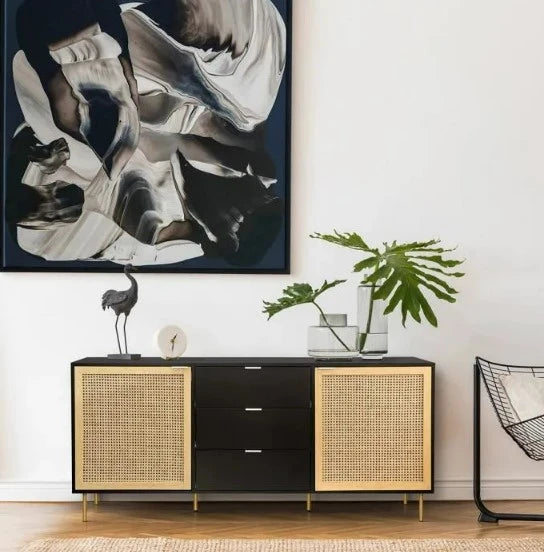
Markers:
{"x": 118, "y": 356}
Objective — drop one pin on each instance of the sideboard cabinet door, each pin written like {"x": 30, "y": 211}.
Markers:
{"x": 131, "y": 428}
{"x": 373, "y": 429}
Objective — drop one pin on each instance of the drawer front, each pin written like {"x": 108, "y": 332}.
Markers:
{"x": 239, "y": 386}
{"x": 233, "y": 428}
{"x": 269, "y": 470}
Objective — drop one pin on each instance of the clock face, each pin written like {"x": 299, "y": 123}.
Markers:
{"x": 171, "y": 341}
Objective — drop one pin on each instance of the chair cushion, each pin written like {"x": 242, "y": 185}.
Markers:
{"x": 525, "y": 394}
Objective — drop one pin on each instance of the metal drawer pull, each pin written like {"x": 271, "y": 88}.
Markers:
{"x": 253, "y": 409}
{"x": 252, "y": 367}
{"x": 252, "y": 451}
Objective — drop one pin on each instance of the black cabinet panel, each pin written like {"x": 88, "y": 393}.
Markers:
{"x": 267, "y": 387}
{"x": 269, "y": 470}
{"x": 234, "y": 428}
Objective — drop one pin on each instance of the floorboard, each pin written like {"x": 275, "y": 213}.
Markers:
{"x": 23, "y": 522}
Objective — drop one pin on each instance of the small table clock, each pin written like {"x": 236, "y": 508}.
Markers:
{"x": 171, "y": 341}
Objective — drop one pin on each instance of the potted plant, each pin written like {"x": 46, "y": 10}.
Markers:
{"x": 399, "y": 275}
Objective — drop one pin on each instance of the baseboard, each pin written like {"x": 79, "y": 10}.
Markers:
{"x": 460, "y": 489}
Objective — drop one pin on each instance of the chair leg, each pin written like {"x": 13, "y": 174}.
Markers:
{"x": 487, "y": 515}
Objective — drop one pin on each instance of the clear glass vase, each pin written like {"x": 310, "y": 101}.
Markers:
{"x": 333, "y": 338}
{"x": 372, "y": 323}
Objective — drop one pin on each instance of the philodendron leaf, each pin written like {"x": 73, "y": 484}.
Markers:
{"x": 378, "y": 274}
{"x": 440, "y": 261}
{"x": 435, "y": 280}
{"x": 366, "y": 263}
{"x": 406, "y": 269}
{"x": 426, "y": 308}
{"x": 345, "y": 239}
{"x": 387, "y": 287}
{"x": 395, "y": 300}
{"x": 414, "y": 246}
{"x": 297, "y": 294}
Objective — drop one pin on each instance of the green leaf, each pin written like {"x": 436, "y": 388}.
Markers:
{"x": 366, "y": 263}
{"x": 436, "y": 269}
{"x": 412, "y": 303}
{"x": 345, "y": 239}
{"x": 405, "y": 247}
{"x": 407, "y": 270}
{"x": 378, "y": 274}
{"x": 440, "y": 294}
{"x": 404, "y": 310}
{"x": 435, "y": 280}
{"x": 387, "y": 287}
{"x": 397, "y": 297}
{"x": 426, "y": 308}
{"x": 297, "y": 294}
{"x": 440, "y": 261}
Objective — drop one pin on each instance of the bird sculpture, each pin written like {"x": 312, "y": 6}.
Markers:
{"x": 122, "y": 302}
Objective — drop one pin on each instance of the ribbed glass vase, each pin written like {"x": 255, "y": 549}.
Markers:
{"x": 333, "y": 338}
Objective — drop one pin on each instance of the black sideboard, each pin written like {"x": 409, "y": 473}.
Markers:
{"x": 252, "y": 425}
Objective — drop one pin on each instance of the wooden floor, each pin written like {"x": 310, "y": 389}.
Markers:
{"x": 23, "y": 522}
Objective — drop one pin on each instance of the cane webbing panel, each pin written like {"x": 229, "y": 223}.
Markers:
{"x": 132, "y": 428}
{"x": 373, "y": 429}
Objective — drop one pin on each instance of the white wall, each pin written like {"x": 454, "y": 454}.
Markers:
{"x": 410, "y": 120}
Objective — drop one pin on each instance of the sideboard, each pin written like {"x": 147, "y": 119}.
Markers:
{"x": 252, "y": 425}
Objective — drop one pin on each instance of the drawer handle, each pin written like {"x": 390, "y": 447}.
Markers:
{"x": 253, "y": 451}
{"x": 252, "y": 367}
{"x": 253, "y": 409}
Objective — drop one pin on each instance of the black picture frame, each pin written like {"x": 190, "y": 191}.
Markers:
{"x": 202, "y": 265}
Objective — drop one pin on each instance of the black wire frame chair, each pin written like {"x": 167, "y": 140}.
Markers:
{"x": 528, "y": 434}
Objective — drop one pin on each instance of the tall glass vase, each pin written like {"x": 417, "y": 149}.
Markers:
{"x": 372, "y": 323}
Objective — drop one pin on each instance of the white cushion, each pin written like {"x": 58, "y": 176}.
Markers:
{"x": 525, "y": 394}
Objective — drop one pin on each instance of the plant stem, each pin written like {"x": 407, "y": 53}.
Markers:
{"x": 362, "y": 341}
{"x": 329, "y": 326}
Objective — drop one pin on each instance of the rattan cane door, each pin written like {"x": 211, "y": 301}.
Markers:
{"x": 373, "y": 429}
{"x": 132, "y": 428}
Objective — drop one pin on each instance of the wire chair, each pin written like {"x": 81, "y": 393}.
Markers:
{"x": 527, "y": 434}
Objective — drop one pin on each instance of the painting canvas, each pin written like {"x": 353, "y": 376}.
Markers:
{"x": 154, "y": 133}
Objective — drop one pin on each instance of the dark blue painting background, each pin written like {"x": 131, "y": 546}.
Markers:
{"x": 277, "y": 145}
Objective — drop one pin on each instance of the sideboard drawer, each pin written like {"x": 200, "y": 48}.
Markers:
{"x": 261, "y": 387}
{"x": 238, "y": 470}
{"x": 238, "y": 428}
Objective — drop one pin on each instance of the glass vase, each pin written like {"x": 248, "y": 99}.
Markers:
{"x": 372, "y": 323}
{"x": 333, "y": 338}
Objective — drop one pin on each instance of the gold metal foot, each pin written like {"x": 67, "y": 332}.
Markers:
{"x": 308, "y": 502}
{"x": 405, "y": 499}
{"x": 420, "y": 507}
{"x": 195, "y": 502}
{"x": 84, "y": 509}
{"x": 96, "y": 499}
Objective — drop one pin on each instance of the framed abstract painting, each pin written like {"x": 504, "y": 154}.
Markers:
{"x": 155, "y": 133}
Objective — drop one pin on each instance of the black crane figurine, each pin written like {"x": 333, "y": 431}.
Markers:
{"x": 122, "y": 302}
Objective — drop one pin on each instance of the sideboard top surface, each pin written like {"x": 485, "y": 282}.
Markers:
{"x": 253, "y": 361}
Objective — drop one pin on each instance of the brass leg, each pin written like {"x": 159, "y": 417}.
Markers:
{"x": 420, "y": 507}
{"x": 96, "y": 499}
{"x": 405, "y": 499}
{"x": 308, "y": 502}
{"x": 195, "y": 502}
{"x": 84, "y": 504}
